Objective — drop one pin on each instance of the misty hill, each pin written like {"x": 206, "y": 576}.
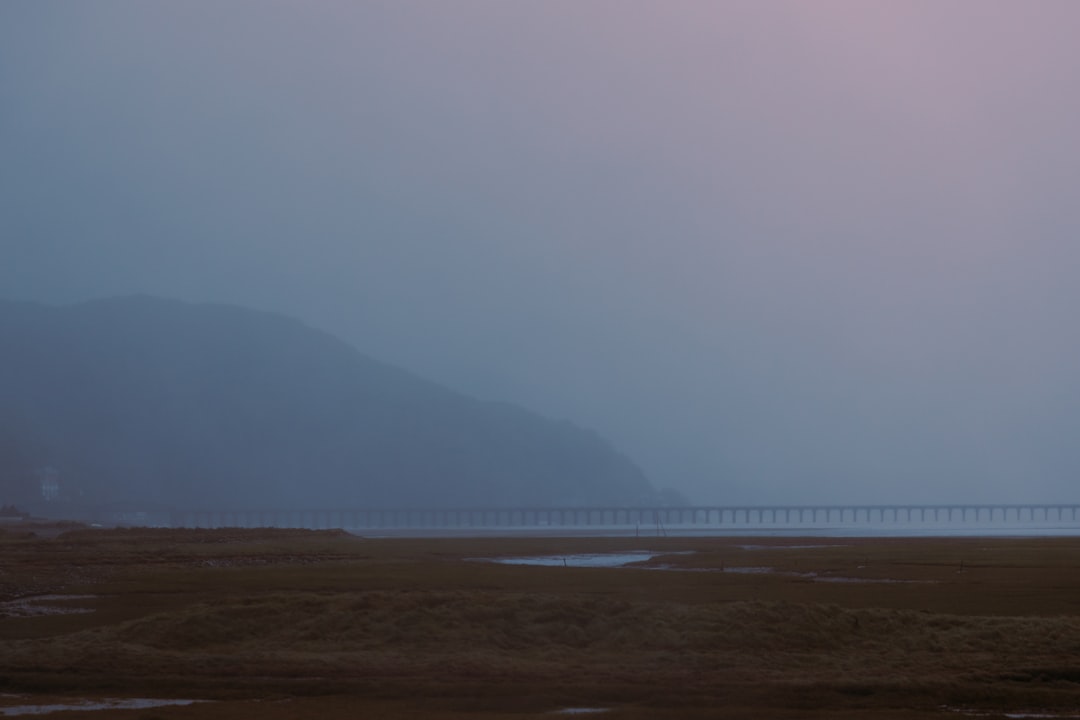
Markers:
{"x": 142, "y": 400}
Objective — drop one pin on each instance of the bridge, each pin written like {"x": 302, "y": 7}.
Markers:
{"x": 704, "y": 518}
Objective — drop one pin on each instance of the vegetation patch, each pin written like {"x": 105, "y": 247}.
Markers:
{"x": 286, "y": 624}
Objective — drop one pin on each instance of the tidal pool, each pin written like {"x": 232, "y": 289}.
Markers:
{"x": 95, "y": 704}
{"x": 581, "y": 710}
{"x": 591, "y": 560}
{"x": 35, "y": 605}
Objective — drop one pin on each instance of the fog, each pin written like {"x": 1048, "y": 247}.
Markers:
{"x": 775, "y": 251}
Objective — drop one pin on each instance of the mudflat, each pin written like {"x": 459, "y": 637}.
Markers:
{"x": 269, "y": 623}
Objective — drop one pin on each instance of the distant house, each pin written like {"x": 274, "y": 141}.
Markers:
{"x": 12, "y": 514}
{"x": 49, "y": 477}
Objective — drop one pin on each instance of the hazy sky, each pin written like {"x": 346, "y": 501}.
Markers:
{"x": 776, "y": 251}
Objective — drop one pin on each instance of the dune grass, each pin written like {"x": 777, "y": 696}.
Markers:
{"x": 273, "y": 623}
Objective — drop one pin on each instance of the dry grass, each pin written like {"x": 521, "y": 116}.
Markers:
{"x": 277, "y": 623}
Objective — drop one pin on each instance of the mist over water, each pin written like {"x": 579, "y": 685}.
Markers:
{"x": 776, "y": 253}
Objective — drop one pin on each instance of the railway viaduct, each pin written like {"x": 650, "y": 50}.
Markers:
{"x": 690, "y": 517}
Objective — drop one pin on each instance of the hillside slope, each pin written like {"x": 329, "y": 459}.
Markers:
{"x": 148, "y": 401}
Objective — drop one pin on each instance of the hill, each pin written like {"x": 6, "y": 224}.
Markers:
{"x": 139, "y": 400}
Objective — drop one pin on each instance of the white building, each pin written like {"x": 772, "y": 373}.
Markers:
{"x": 49, "y": 477}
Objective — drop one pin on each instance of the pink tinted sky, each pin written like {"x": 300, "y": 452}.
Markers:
{"x": 775, "y": 249}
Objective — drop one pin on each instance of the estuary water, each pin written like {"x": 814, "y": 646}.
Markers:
{"x": 590, "y": 560}
{"x": 89, "y": 705}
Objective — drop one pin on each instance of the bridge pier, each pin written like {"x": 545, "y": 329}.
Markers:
{"x": 730, "y": 516}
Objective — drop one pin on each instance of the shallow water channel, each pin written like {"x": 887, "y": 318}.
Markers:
{"x": 628, "y": 559}
{"x": 590, "y": 560}
{"x": 92, "y": 704}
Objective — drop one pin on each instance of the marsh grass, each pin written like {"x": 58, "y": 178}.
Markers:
{"x": 330, "y": 624}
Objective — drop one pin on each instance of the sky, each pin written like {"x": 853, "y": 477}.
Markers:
{"x": 776, "y": 251}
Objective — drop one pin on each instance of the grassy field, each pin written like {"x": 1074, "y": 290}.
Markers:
{"x": 289, "y": 624}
